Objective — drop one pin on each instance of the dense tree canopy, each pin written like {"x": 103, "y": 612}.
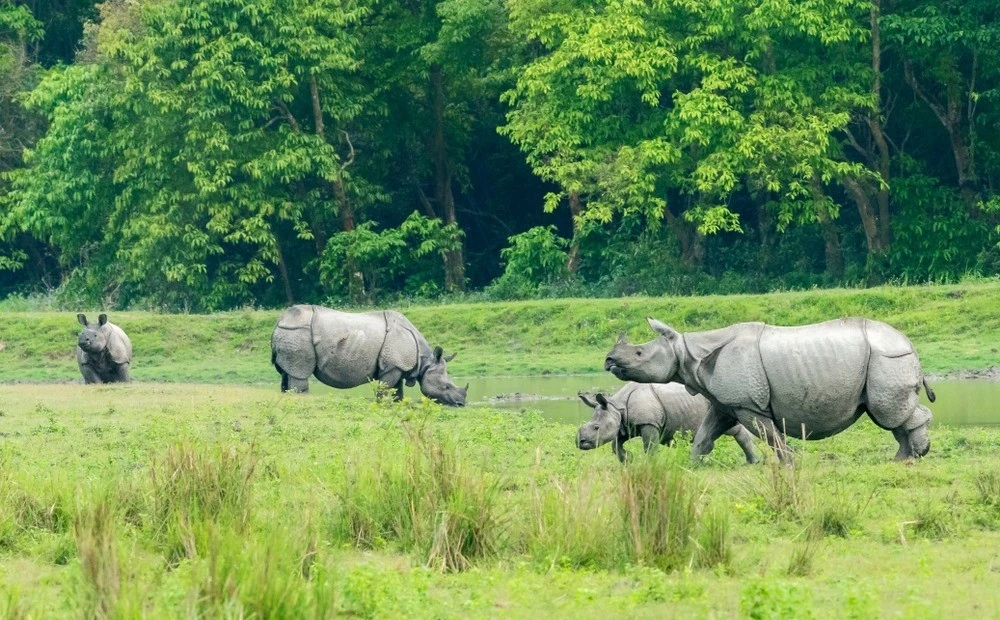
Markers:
{"x": 206, "y": 154}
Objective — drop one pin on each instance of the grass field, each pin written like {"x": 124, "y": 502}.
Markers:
{"x": 173, "y": 500}
{"x": 954, "y": 327}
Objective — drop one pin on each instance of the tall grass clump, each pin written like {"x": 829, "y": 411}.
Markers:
{"x": 987, "y": 499}
{"x": 837, "y": 512}
{"x": 715, "y": 547}
{"x": 428, "y": 500}
{"x": 576, "y": 523}
{"x": 96, "y": 545}
{"x": 23, "y": 511}
{"x": 260, "y": 575}
{"x": 659, "y": 503}
{"x": 191, "y": 485}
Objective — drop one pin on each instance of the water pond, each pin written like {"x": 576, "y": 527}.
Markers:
{"x": 959, "y": 402}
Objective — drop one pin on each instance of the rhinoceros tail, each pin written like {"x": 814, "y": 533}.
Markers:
{"x": 931, "y": 396}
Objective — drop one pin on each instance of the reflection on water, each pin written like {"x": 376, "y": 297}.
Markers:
{"x": 961, "y": 403}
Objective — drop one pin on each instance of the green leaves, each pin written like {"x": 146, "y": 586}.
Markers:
{"x": 631, "y": 101}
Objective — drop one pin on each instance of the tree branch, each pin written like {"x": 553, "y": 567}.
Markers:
{"x": 350, "y": 158}
{"x": 911, "y": 79}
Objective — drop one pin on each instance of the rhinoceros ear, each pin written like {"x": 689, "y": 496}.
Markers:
{"x": 82, "y": 318}
{"x": 587, "y": 400}
{"x": 662, "y": 328}
{"x": 600, "y": 398}
{"x": 101, "y": 320}
{"x": 451, "y": 357}
{"x": 438, "y": 352}
{"x": 621, "y": 338}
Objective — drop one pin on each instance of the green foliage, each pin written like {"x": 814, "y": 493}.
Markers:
{"x": 431, "y": 503}
{"x": 534, "y": 259}
{"x": 774, "y": 599}
{"x": 411, "y": 252}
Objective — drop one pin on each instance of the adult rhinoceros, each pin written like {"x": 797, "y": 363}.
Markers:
{"x": 345, "y": 350}
{"x": 103, "y": 351}
{"x": 811, "y": 381}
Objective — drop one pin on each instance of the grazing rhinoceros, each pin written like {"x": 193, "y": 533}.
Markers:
{"x": 811, "y": 381}
{"x": 345, "y": 350}
{"x": 103, "y": 351}
{"x": 653, "y": 411}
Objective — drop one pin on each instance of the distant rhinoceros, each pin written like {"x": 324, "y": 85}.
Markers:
{"x": 345, "y": 350}
{"x": 811, "y": 382}
{"x": 103, "y": 351}
{"x": 653, "y": 411}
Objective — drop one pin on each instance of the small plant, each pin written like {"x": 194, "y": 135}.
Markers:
{"x": 837, "y": 512}
{"x": 97, "y": 548}
{"x": 659, "y": 509}
{"x": 715, "y": 548}
{"x": 431, "y": 501}
{"x": 191, "y": 485}
{"x": 774, "y": 599}
{"x": 803, "y": 558}
{"x": 934, "y": 520}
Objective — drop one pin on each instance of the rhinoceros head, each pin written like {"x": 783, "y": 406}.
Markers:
{"x": 603, "y": 426}
{"x": 435, "y": 383}
{"x": 650, "y": 362}
{"x": 93, "y": 339}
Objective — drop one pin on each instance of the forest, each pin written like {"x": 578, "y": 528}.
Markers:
{"x": 202, "y": 155}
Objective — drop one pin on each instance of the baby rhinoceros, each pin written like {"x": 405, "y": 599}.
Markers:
{"x": 653, "y": 411}
{"x": 103, "y": 351}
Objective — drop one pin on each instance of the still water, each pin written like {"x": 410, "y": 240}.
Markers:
{"x": 959, "y": 403}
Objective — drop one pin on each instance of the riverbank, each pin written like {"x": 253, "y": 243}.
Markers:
{"x": 955, "y": 328}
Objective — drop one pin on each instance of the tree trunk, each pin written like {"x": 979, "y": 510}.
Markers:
{"x": 834, "y": 255}
{"x": 283, "y": 270}
{"x": 454, "y": 261}
{"x": 875, "y": 126}
{"x": 869, "y": 220}
{"x": 355, "y": 280}
{"x": 958, "y": 126}
{"x": 692, "y": 250}
{"x": 574, "y": 247}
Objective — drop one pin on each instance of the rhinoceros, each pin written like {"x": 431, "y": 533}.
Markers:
{"x": 653, "y": 411}
{"x": 103, "y": 352}
{"x": 345, "y": 350}
{"x": 811, "y": 381}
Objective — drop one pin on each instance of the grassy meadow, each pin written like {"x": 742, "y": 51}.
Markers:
{"x": 171, "y": 500}
{"x": 196, "y": 491}
{"x": 954, "y": 327}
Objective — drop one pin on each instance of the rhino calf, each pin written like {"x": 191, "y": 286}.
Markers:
{"x": 653, "y": 411}
{"x": 346, "y": 349}
{"x": 103, "y": 352}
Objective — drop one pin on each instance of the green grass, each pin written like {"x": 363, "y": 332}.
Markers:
{"x": 954, "y": 327}
{"x": 176, "y": 500}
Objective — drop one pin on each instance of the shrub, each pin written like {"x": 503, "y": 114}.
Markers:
{"x": 430, "y": 501}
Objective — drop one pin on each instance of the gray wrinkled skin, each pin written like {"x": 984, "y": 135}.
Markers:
{"x": 346, "y": 349}
{"x": 653, "y": 411}
{"x": 811, "y": 381}
{"x": 103, "y": 352}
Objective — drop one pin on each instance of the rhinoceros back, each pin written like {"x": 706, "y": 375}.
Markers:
{"x": 347, "y": 346}
{"x": 817, "y": 374}
{"x": 292, "y": 342}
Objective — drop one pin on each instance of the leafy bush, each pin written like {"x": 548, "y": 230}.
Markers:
{"x": 534, "y": 258}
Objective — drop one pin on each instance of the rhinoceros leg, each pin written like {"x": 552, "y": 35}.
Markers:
{"x": 745, "y": 441}
{"x": 618, "y": 447}
{"x": 89, "y": 374}
{"x": 712, "y": 427}
{"x": 650, "y": 437}
{"x": 121, "y": 373}
{"x": 903, "y": 438}
{"x": 291, "y": 384}
{"x": 765, "y": 427}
